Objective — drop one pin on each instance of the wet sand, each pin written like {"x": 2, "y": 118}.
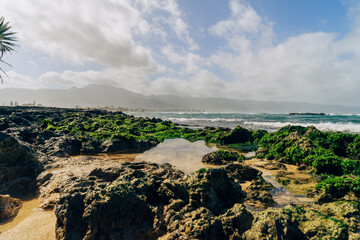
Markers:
{"x": 31, "y": 223}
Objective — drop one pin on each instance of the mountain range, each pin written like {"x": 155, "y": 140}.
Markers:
{"x": 100, "y": 96}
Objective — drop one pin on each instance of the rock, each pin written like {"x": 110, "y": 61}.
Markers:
{"x": 273, "y": 165}
{"x": 236, "y": 135}
{"x": 274, "y": 224}
{"x": 9, "y": 207}
{"x": 134, "y": 219}
{"x": 212, "y": 188}
{"x": 87, "y": 212}
{"x": 149, "y": 200}
{"x": 347, "y": 212}
{"x": 116, "y": 145}
{"x": 270, "y": 165}
{"x": 236, "y": 221}
{"x": 264, "y": 197}
{"x": 258, "y": 193}
{"x": 242, "y": 172}
{"x": 90, "y": 147}
{"x": 123, "y": 143}
{"x": 4, "y": 124}
{"x": 18, "y": 166}
{"x": 198, "y": 224}
{"x": 63, "y": 146}
{"x": 260, "y": 184}
{"x": 319, "y": 226}
{"x": 261, "y": 152}
{"x": 221, "y": 157}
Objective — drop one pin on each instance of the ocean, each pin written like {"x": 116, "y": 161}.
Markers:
{"x": 267, "y": 121}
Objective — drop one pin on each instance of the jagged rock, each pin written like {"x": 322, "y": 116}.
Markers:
{"x": 18, "y": 166}
{"x": 123, "y": 143}
{"x": 4, "y": 124}
{"x": 198, "y": 224}
{"x": 242, "y": 172}
{"x": 236, "y": 135}
{"x": 221, "y": 157}
{"x": 9, "y": 207}
{"x": 212, "y": 189}
{"x": 348, "y": 212}
{"x": 274, "y": 224}
{"x": 236, "y": 221}
{"x": 148, "y": 205}
{"x": 63, "y": 146}
{"x": 261, "y": 152}
{"x": 319, "y": 226}
{"x": 258, "y": 192}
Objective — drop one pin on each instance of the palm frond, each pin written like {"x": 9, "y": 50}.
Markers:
{"x": 7, "y": 42}
{"x": 7, "y": 38}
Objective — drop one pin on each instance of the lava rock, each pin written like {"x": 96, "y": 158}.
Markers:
{"x": 9, "y": 207}
{"x": 18, "y": 166}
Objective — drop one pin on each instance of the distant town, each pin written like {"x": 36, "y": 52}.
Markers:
{"x": 108, "y": 108}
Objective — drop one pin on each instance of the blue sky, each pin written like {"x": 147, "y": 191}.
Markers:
{"x": 278, "y": 50}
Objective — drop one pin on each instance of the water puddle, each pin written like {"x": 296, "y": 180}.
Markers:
{"x": 281, "y": 195}
{"x": 184, "y": 155}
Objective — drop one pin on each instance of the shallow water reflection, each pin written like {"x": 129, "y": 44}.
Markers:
{"x": 281, "y": 195}
{"x": 184, "y": 155}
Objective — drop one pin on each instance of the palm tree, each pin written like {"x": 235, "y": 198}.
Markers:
{"x": 7, "y": 41}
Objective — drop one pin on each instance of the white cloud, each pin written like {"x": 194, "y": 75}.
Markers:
{"x": 128, "y": 78}
{"x": 78, "y": 31}
{"x": 106, "y": 32}
{"x": 16, "y": 80}
{"x": 191, "y": 62}
{"x": 244, "y": 29}
{"x": 309, "y": 67}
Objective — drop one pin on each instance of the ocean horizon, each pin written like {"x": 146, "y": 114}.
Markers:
{"x": 349, "y": 123}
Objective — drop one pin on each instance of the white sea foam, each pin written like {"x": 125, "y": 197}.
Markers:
{"x": 323, "y": 126}
{"x": 205, "y": 119}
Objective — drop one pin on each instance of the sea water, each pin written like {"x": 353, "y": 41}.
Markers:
{"x": 267, "y": 121}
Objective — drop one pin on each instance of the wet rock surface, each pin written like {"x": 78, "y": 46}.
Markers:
{"x": 18, "y": 166}
{"x": 221, "y": 157}
{"x": 149, "y": 200}
{"x": 9, "y": 207}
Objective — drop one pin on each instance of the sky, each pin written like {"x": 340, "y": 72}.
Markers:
{"x": 271, "y": 50}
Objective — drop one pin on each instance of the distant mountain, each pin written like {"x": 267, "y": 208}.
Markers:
{"x": 98, "y": 95}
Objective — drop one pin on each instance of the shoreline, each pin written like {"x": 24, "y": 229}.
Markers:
{"x": 50, "y": 138}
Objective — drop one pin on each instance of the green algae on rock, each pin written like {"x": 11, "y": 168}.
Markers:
{"x": 222, "y": 157}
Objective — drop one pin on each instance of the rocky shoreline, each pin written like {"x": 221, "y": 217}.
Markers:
{"x": 96, "y": 198}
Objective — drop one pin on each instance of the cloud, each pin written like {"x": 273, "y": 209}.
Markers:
{"x": 128, "y": 78}
{"x": 16, "y": 80}
{"x": 191, "y": 62}
{"x": 106, "y": 32}
{"x": 311, "y": 67}
{"x": 147, "y": 47}
{"x": 244, "y": 29}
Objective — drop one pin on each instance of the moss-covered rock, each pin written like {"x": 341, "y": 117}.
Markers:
{"x": 211, "y": 189}
{"x": 221, "y": 157}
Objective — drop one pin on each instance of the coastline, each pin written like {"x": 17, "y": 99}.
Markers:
{"x": 50, "y": 137}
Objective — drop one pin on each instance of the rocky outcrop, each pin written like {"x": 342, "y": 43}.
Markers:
{"x": 9, "y": 207}
{"x": 150, "y": 200}
{"x": 274, "y": 224}
{"x": 242, "y": 172}
{"x": 18, "y": 166}
{"x": 221, "y": 157}
{"x": 63, "y": 146}
{"x": 123, "y": 143}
